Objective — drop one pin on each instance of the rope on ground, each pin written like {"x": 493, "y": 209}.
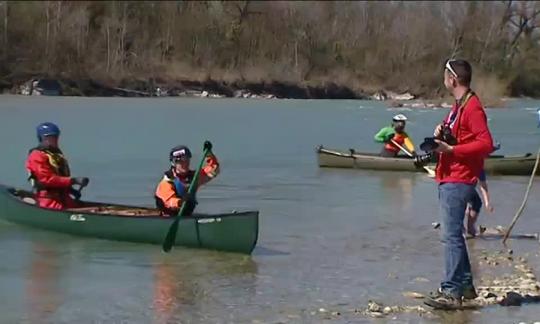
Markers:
{"x": 520, "y": 209}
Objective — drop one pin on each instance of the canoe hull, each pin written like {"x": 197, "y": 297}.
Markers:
{"x": 235, "y": 232}
{"x": 494, "y": 165}
{"x": 328, "y": 158}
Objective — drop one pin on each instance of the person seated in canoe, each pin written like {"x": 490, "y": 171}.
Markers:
{"x": 172, "y": 190}
{"x": 49, "y": 172}
{"x": 396, "y": 133}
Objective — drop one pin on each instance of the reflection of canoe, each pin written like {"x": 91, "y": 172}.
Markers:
{"x": 495, "y": 164}
{"x": 234, "y": 232}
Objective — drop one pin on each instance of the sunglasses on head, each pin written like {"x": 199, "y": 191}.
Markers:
{"x": 450, "y": 69}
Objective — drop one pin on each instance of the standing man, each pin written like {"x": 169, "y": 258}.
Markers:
{"x": 458, "y": 169}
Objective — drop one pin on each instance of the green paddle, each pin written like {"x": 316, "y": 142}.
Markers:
{"x": 171, "y": 234}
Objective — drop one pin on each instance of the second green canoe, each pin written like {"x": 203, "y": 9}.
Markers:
{"x": 495, "y": 164}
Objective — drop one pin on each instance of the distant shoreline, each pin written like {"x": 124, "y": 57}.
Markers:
{"x": 220, "y": 89}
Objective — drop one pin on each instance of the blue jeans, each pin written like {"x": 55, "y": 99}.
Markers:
{"x": 453, "y": 199}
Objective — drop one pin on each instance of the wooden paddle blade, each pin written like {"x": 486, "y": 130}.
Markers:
{"x": 171, "y": 236}
{"x": 431, "y": 172}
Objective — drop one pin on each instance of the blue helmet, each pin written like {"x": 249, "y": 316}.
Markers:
{"x": 47, "y": 129}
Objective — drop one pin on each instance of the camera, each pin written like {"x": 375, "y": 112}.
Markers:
{"x": 423, "y": 159}
{"x": 446, "y": 135}
{"x": 429, "y": 145}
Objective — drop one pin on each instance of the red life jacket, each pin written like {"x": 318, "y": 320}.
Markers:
{"x": 49, "y": 175}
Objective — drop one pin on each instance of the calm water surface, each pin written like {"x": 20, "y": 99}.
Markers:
{"x": 328, "y": 238}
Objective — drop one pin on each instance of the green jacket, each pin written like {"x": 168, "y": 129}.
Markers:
{"x": 387, "y": 131}
{"x": 384, "y": 133}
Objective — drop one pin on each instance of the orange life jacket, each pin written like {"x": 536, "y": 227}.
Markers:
{"x": 398, "y": 138}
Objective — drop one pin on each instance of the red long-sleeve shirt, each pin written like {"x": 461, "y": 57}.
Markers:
{"x": 475, "y": 143}
{"x": 53, "y": 188}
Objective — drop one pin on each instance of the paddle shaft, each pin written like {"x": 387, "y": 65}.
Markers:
{"x": 520, "y": 209}
{"x": 428, "y": 170}
{"x": 171, "y": 234}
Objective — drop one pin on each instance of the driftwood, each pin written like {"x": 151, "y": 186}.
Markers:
{"x": 496, "y": 232}
{"x": 520, "y": 210}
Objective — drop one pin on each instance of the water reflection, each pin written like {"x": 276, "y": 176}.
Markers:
{"x": 169, "y": 290}
{"x": 43, "y": 291}
{"x": 397, "y": 189}
{"x": 184, "y": 289}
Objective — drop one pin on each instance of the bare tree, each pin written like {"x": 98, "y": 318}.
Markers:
{"x": 5, "y": 6}
{"x": 396, "y": 44}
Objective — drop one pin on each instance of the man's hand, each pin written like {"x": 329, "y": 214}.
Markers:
{"x": 438, "y": 130}
{"x": 443, "y": 147}
{"x": 83, "y": 182}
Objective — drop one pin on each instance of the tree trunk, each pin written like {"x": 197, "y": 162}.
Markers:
{"x": 486, "y": 43}
{"x": 108, "y": 32}
{"x": 123, "y": 37}
{"x": 47, "y": 29}
{"x": 296, "y": 55}
{"x": 6, "y": 3}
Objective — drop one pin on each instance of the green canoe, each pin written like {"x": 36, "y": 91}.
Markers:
{"x": 233, "y": 232}
{"x": 495, "y": 164}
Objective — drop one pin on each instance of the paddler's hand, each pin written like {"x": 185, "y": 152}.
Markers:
{"x": 190, "y": 202}
{"x": 212, "y": 166}
{"x": 187, "y": 198}
{"x": 388, "y": 138}
{"x": 437, "y": 131}
{"x": 82, "y": 181}
{"x": 443, "y": 147}
{"x": 75, "y": 193}
{"x": 207, "y": 146}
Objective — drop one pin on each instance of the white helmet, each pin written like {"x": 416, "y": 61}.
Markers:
{"x": 399, "y": 117}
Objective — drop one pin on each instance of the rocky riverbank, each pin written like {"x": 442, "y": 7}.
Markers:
{"x": 510, "y": 280}
{"x": 186, "y": 88}
{"x": 517, "y": 286}
{"x": 31, "y": 85}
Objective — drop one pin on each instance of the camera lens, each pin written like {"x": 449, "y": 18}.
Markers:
{"x": 422, "y": 160}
